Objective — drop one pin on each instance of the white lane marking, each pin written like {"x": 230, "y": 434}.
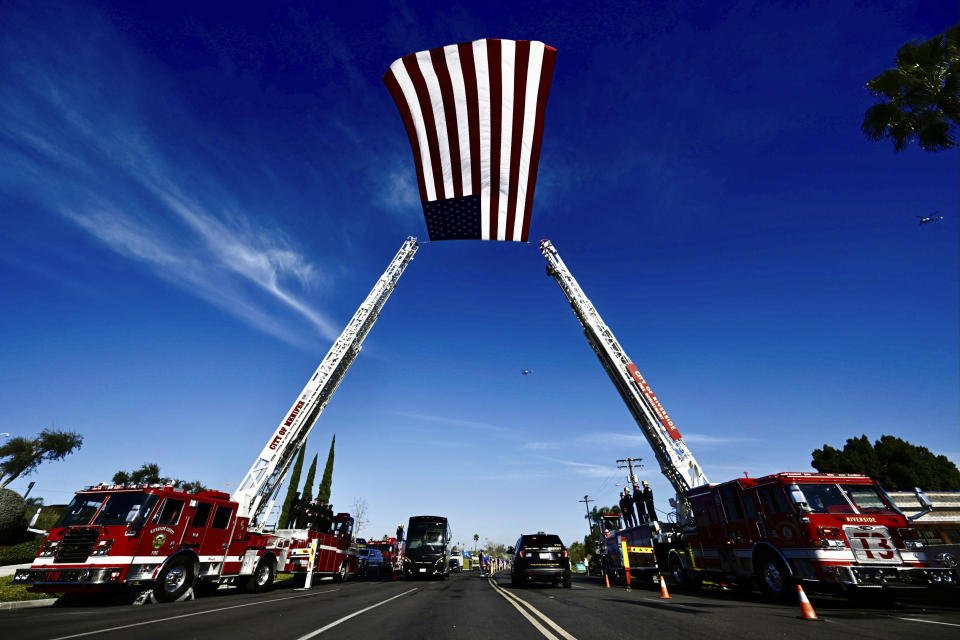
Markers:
{"x": 530, "y": 618}
{"x": 188, "y": 615}
{"x": 510, "y": 597}
{"x": 949, "y": 624}
{"x": 353, "y": 615}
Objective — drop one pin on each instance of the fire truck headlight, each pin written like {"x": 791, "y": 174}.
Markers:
{"x": 102, "y": 548}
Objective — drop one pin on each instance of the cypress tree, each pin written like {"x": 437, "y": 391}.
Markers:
{"x": 308, "y": 485}
{"x": 284, "y": 521}
{"x": 323, "y": 492}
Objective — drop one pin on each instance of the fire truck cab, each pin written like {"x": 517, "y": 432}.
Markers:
{"x": 836, "y": 530}
{"x": 152, "y": 536}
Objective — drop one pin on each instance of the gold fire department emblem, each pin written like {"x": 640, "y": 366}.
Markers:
{"x": 159, "y": 539}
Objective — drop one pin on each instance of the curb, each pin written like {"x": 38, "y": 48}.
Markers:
{"x": 27, "y": 604}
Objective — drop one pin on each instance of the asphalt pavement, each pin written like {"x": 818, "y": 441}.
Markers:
{"x": 470, "y": 607}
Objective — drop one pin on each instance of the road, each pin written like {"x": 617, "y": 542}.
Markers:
{"x": 469, "y": 607}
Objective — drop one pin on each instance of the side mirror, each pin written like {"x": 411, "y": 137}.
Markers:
{"x": 925, "y": 504}
{"x": 796, "y": 495}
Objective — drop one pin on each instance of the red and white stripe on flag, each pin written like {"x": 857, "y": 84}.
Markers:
{"x": 474, "y": 114}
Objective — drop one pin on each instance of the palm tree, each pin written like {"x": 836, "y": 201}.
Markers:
{"x": 922, "y": 95}
{"x": 476, "y": 538}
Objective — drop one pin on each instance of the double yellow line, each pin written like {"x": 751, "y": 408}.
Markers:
{"x": 516, "y": 601}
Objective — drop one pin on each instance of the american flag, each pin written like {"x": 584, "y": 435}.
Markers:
{"x": 474, "y": 115}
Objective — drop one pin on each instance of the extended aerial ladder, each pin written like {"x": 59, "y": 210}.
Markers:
{"x": 264, "y": 478}
{"x": 676, "y": 461}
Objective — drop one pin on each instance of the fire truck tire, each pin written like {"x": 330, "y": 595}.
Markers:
{"x": 773, "y": 576}
{"x": 341, "y": 575}
{"x": 262, "y": 578}
{"x": 174, "y": 580}
{"x": 682, "y": 578}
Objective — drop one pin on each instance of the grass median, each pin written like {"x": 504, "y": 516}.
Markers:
{"x": 12, "y": 592}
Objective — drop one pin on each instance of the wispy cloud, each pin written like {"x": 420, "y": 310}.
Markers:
{"x": 582, "y": 468}
{"x": 701, "y": 439}
{"x": 455, "y": 422}
{"x": 77, "y": 144}
{"x": 632, "y": 439}
{"x": 399, "y": 195}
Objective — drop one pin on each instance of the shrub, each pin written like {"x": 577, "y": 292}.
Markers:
{"x": 21, "y": 553}
{"x": 12, "y": 509}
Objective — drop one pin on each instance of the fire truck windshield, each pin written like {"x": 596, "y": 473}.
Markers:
{"x": 847, "y": 498}
{"x": 131, "y": 509}
{"x": 868, "y": 499}
{"x": 81, "y": 509}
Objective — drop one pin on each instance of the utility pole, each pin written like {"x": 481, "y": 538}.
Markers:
{"x": 586, "y": 501}
{"x": 632, "y": 479}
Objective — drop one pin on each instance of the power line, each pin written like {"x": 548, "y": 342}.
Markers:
{"x": 629, "y": 465}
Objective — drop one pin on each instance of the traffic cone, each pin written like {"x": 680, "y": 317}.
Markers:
{"x": 806, "y": 609}
{"x": 664, "y": 594}
{"x": 606, "y": 579}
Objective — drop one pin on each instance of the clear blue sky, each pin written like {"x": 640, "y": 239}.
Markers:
{"x": 195, "y": 197}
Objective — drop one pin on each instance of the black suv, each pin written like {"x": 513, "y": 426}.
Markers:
{"x": 540, "y": 557}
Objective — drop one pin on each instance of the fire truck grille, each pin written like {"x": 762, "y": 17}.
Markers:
{"x": 76, "y": 545}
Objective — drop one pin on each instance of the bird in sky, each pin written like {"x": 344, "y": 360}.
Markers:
{"x": 930, "y": 218}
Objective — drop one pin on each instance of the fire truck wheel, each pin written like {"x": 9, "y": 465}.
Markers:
{"x": 773, "y": 577}
{"x": 174, "y": 580}
{"x": 341, "y": 575}
{"x": 262, "y": 578}
{"x": 681, "y": 578}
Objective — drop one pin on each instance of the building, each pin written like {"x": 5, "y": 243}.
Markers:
{"x": 942, "y": 524}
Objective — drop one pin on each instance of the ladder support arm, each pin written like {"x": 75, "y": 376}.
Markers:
{"x": 263, "y": 480}
{"x": 676, "y": 461}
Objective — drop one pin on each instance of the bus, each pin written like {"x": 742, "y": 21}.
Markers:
{"x": 427, "y": 547}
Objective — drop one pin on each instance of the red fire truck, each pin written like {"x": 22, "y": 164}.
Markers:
{"x": 335, "y": 554}
{"x": 837, "y": 530}
{"x": 390, "y": 550}
{"x": 166, "y": 541}
{"x": 828, "y": 530}
{"x": 113, "y": 536}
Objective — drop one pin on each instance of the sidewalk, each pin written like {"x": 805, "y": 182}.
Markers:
{"x": 10, "y": 569}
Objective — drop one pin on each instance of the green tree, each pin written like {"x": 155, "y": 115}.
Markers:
{"x": 893, "y": 462}
{"x": 323, "y": 492}
{"x": 284, "y": 521}
{"x": 476, "y": 539}
{"x": 21, "y": 456}
{"x": 591, "y": 541}
{"x": 578, "y": 552}
{"x": 149, "y": 473}
{"x": 921, "y": 95}
{"x": 308, "y": 485}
